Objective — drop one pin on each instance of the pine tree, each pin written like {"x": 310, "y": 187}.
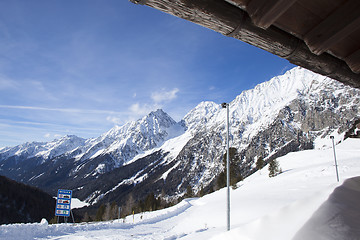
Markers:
{"x": 260, "y": 163}
{"x": 150, "y": 203}
{"x": 274, "y": 168}
{"x": 235, "y": 170}
{"x": 100, "y": 212}
{"x": 114, "y": 211}
{"x": 201, "y": 193}
{"x": 86, "y": 217}
{"x": 129, "y": 205}
{"x": 221, "y": 180}
{"x": 189, "y": 192}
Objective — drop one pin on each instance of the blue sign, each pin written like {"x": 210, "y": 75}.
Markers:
{"x": 63, "y": 203}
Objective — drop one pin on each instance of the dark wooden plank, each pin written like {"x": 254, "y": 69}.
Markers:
{"x": 239, "y": 3}
{"x": 265, "y": 12}
{"x": 354, "y": 61}
{"x": 297, "y": 20}
{"x": 224, "y": 18}
{"x": 321, "y": 8}
{"x": 335, "y": 27}
{"x": 345, "y": 47}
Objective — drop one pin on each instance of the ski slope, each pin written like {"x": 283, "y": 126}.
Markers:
{"x": 261, "y": 207}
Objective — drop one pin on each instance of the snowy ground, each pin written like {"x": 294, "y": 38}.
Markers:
{"x": 261, "y": 208}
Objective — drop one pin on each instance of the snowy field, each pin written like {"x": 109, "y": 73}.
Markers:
{"x": 261, "y": 207}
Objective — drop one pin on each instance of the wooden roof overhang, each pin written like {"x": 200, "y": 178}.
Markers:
{"x": 320, "y": 35}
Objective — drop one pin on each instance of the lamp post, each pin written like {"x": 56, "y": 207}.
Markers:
{"x": 336, "y": 167}
{"x": 226, "y": 105}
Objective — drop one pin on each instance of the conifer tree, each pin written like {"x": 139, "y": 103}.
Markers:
{"x": 189, "y": 192}
{"x": 100, "y": 212}
{"x": 274, "y": 168}
{"x": 201, "y": 193}
{"x": 86, "y": 217}
{"x": 235, "y": 171}
{"x": 260, "y": 163}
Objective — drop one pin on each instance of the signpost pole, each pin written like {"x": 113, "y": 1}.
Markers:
{"x": 336, "y": 166}
{"x": 72, "y": 215}
{"x": 226, "y": 105}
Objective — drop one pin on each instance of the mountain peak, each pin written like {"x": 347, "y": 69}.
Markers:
{"x": 157, "y": 117}
{"x": 159, "y": 113}
{"x": 201, "y": 114}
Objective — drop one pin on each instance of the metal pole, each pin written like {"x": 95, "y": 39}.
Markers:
{"x": 226, "y": 105}
{"x": 228, "y": 170}
{"x": 336, "y": 166}
{"x": 72, "y": 216}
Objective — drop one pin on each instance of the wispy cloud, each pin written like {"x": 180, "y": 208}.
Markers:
{"x": 6, "y": 83}
{"x": 66, "y": 110}
{"x": 52, "y": 136}
{"x": 137, "y": 109}
{"x": 164, "y": 95}
{"x": 114, "y": 119}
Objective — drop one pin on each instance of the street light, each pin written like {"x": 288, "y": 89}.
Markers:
{"x": 226, "y": 105}
{"x": 336, "y": 167}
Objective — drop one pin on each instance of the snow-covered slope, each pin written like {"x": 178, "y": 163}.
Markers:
{"x": 261, "y": 207}
{"x": 292, "y": 112}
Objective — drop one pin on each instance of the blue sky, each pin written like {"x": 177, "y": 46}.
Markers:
{"x": 82, "y": 66}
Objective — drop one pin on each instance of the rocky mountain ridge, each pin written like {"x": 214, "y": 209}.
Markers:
{"x": 292, "y": 112}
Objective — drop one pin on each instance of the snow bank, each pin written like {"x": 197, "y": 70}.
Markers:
{"x": 338, "y": 217}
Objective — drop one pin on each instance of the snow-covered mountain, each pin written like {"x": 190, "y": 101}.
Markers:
{"x": 292, "y": 112}
{"x": 42, "y": 150}
{"x": 122, "y": 143}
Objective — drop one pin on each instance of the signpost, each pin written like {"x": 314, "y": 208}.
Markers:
{"x": 336, "y": 166}
{"x": 63, "y": 203}
{"x": 226, "y": 105}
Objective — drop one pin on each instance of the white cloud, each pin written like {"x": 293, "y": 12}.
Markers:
{"x": 52, "y": 136}
{"x": 163, "y": 95}
{"x": 113, "y": 119}
{"x": 58, "y": 135}
{"x": 138, "y": 109}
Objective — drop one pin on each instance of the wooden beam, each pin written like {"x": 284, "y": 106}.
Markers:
{"x": 341, "y": 23}
{"x": 226, "y": 19}
{"x": 239, "y": 3}
{"x": 354, "y": 61}
{"x": 265, "y": 12}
